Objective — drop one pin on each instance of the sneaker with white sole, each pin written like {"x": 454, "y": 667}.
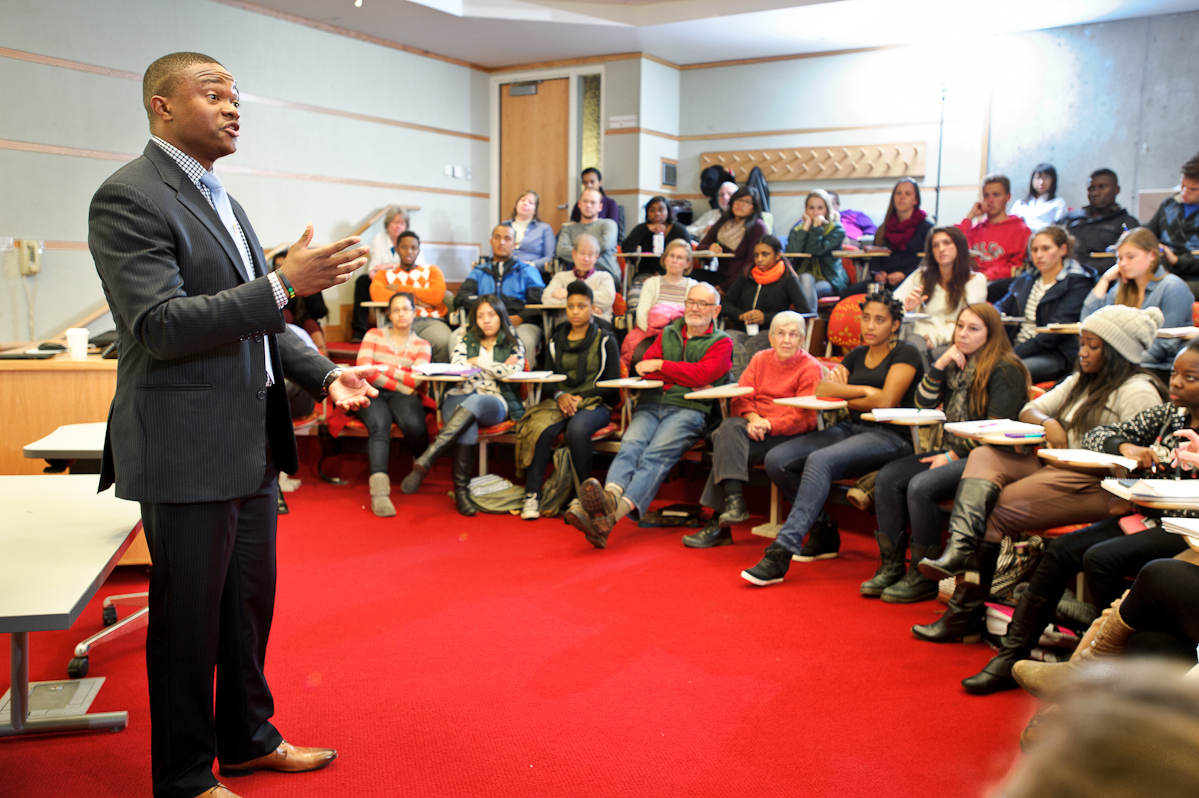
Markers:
{"x": 532, "y": 509}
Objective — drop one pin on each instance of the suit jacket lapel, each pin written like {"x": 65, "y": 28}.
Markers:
{"x": 190, "y": 197}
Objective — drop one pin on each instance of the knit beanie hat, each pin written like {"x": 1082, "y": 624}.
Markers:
{"x": 1130, "y": 331}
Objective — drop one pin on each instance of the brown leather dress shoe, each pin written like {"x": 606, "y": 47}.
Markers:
{"x": 219, "y": 791}
{"x": 287, "y": 758}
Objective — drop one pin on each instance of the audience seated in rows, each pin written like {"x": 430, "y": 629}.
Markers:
{"x": 756, "y": 424}
{"x": 395, "y": 350}
{"x": 1141, "y": 281}
{"x": 689, "y": 354}
{"x": 1176, "y": 224}
{"x": 883, "y": 372}
{"x": 997, "y": 241}
{"x": 652, "y": 236}
{"x": 603, "y": 288}
{"x": 535, "y": 240}
{"x": 1006, "y": 491}
{"x": 756, "y": 297}
{"x": 1101, "y": 223}
{"x": 978, "y": 377}
{"x": 736, "y": 232}
{"x": 700, "y": 227}
{"x": 818, "y": 233}
{"x": 609, "y": 208}
{"x": 384, "y": 252}
{"x": 1053, "y": 293}
{"x": 1042, "y": 206}
{"x": 491, "y": 345}
{"x": 592, "y": 224}
{"x": 944, "y": 284}
{"x": 856, "y": 223}
{"x": 513, "y": 280}
{"x": 586, "y": 353}
{"x": 426, "y": 284}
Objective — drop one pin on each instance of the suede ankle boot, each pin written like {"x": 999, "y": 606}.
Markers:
{"x": 380, "y": 488}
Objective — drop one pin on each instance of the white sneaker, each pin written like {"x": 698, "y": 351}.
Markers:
{"x": 532, "y": 508}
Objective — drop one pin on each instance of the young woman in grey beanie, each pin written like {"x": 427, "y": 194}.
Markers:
{"x": 1006, "y": 490}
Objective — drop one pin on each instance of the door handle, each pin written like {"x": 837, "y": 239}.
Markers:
{"x": 563, "y": 207}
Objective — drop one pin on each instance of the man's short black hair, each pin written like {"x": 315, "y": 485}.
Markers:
{"x": 580, "y": 288}
{"x": 162, "y": 76}
{"x": 408, "y": 234}
{"x": 1105, "y": 171}
{"x": 1000, "y": 179}
{"x": 591, "y": 170}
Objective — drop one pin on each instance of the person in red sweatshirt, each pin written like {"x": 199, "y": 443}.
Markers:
{"x": 997, "y": 241}
{"x": 756, "y": 425}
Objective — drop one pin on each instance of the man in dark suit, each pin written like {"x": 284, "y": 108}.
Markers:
{"x": 200, "y": 425}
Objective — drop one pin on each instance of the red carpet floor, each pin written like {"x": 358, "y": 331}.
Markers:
{"x": 446, "y": 656}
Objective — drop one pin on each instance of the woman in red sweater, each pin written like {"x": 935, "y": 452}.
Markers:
{"x": 756, "y": 425}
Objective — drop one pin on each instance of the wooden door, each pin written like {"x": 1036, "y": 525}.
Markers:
{"x": 534, "y": 148}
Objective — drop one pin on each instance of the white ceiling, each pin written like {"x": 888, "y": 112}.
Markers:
{"x": 495, "y": 33}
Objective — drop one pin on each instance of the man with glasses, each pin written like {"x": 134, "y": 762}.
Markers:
{"x": 689, "y": 354}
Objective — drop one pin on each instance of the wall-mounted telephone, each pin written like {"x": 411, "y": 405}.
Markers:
{"x": 30, "y": 256}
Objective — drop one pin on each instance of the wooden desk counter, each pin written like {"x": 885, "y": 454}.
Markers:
{"x": 38, "y": 396}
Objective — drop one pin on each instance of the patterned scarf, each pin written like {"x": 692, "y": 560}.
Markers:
{"x": 959, "y": 382}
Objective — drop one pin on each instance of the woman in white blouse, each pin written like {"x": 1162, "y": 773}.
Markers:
{"x": 1042, "y": 207}
{"x": 944, "y": 284}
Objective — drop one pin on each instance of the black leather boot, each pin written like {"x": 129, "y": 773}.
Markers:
{"x": 453, "y": 429}
{"x": 972, "y": 506}
{"x": 964, "y": 619}
{"x": 914, "y": 586}
{"x": 713, "y": 534}
{"x": 891, "y": 565}
{"x": 735, "y": 510}
{"x": 464, "y": 466}
{"x": 1029, "y": 620}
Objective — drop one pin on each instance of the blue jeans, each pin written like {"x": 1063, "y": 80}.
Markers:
{"x": 813, "y": 289}
{"x": 654, "y": 441}
{"x": 813, "y": 461}
{"x": 907, "y": 488}
{"x": 487, "y": 410}
{"x": 579, "y": 428}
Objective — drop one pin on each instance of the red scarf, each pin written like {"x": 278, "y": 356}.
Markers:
{"x": 900, "y": 233}
{"x": 771, "y": 275}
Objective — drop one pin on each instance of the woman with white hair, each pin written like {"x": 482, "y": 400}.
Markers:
{"x": 756, "y": 425}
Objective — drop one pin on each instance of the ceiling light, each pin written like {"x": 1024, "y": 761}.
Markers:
{"x": 357, "y": 3}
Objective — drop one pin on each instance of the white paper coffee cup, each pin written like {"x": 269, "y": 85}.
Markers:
{"x": 77, "y": 342}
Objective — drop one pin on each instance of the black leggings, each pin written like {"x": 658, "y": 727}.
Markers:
{"x": 1105, "y": 554}
{"x": 578, "y": 431}
{"x": 1164, "y": 601}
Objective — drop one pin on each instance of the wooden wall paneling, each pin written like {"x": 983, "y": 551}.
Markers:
{"x": 838, "y": 162}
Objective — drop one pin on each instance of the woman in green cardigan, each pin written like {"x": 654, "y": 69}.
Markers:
{"x": 818, "y": 233}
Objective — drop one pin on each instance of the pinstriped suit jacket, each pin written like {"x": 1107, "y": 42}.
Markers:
{"x": 192, "y": 413}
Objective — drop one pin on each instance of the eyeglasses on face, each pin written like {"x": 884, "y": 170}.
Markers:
{"x": 694, "y": 303}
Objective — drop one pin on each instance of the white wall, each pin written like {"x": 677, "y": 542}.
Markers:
{"x": 64, "y": 107}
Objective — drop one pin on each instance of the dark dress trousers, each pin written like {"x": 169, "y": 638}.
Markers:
{"x": 196, "y": 436}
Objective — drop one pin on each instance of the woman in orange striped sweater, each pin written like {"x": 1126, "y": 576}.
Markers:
{"x": 394, "y": 351}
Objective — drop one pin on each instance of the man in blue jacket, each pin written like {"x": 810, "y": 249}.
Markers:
{"x": 516, "y": 282}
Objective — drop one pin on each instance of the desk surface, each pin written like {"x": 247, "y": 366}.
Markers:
{"x": 70, "y": 442}
{"x": 812, "y": 402}
{"x": 60, "y": 540}
{"x": 60, "y": 362}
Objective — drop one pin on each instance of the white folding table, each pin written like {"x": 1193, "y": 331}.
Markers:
{"x": 59, "y": 541}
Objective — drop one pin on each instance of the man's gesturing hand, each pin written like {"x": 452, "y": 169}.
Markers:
{"x": 352, "y": 389}
{"x": 311, "y": 271}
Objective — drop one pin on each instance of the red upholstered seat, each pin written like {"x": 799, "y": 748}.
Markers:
{"x": 1058, "y": 531}
{"x": 1195, "y": 314}
{"x": 497, "y": 429}
{"x": 845, "y": 324}
{"x": 343, "y": 351}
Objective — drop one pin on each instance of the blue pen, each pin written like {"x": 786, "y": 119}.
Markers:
{"x": 1024, "y": 435}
